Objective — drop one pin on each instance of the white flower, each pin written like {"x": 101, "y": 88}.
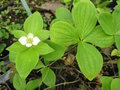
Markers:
{"x": 29, "y": 40}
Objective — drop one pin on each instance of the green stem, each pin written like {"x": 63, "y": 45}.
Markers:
{"x": 26, "y": 7}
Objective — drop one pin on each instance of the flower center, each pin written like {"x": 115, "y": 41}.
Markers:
{"x": 29, "y": 40}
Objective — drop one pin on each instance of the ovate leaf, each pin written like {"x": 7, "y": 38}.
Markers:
{"x": 18, "y": 33}
{"x": 14, "y": 49}
{"x": 107, "y": 23}
{"x": 48, "y": 77}
{"x": 43, "y": 34}
{"x": 106, "y": 82}
{"x": 64, "y": 14}
{"x": 2, "y": 46}
{"x": 118, "y": 1}
{"x": 33, "y": 84}
{"x": 63, "y": 33}
{"x": 33, "y": 23}
{"x": 75, "y": 1}
{"x": 117, "y": 41}
{"x": 26, "y": 61}
{"x": 115, "y": 85}
{"x": 12, "y": 56}
{"x": 67, "y": 1}
{"x": 39, "y": 65}
{"x": 19, "y": 83}
{"x": 1, "y": 33}
{"x": 104, "y": 4}
{"x": 89, "y": 60}
{"x": 56, "y": 54}
{"x": 116, "y": 16}
{"x": 99, "y": 38}
{"x": 84, "y": 17}
{"x": 43, "y": 48}
{"x": 17, "y": 47}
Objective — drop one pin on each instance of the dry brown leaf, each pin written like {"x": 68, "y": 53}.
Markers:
{"x": 69, "y": 59}
{"x": 52, "y": 6}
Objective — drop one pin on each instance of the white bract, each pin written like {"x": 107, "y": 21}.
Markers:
{"x": 29, "y": 40}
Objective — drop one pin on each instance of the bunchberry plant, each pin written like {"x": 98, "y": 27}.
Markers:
{"x": 83, "y": 33}
{"x": 48, "y": 77}
{"x": 25, "y": 52}
{"x": 111, "y": 24}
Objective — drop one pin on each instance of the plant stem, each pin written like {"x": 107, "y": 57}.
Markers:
{"x": 26, "y": 7}
{"x": 64, "y": 83}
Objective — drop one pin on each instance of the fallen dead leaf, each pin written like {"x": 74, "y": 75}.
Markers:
{"x": 52, "y": 6}
{"x": 69, "y": 59}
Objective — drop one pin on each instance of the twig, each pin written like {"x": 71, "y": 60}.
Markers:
{"x": 58, "y": 67}
{"x": 111, "y": 62}
{"x": 46, "y": 66}
{"x": 2, "y": 58}
{"x": 64, "y": 83}
{"x": 7, "y": 86}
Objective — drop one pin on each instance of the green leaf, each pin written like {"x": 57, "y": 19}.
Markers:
{"x": 12, "y": 56}
{"x": 67, "y": 1}
{"x": 1, "y": 33}
{"x": 64, "y": 14}
{"x": 5, "y": 35}
{"x": 118, "y": 2}
{"x": 115, "y": 52}
{"x": 89, "y": 60}
{"x": 116, "y": 16}
{"x": 14, "y": 49}
{"x": 39, "y": 65}
{"x": 63, "y": 33}
{"x": 103, "y": 10}
{"x": 26, "y": 61}
{"x": 117, "y": 42}
{"x": 43, "y": 48}
{"x": 118, "y": 65}
{"x": 107, "y": 23}
{"x": 18, "y": 33}
{"x": 106, "y": 82}
{"x": 19, "y": 83}
{"x": 104, "y": 4}
{"x": 33, "y": 23}
{"x": 17, "y": 47}
{"x": 57, "y": 54}
{"x": 2, "y": 46}
{"x": 33, "y": 84}
{"x": 115, "y": 85}
{"x": 75, "y": 1}
{"x": 84, "y": 16}
{"x": 48, "y": 77}
{"x": 99, "y": 38}
{"x": 43, "y": 34}
{"x": 54, "y": 21}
